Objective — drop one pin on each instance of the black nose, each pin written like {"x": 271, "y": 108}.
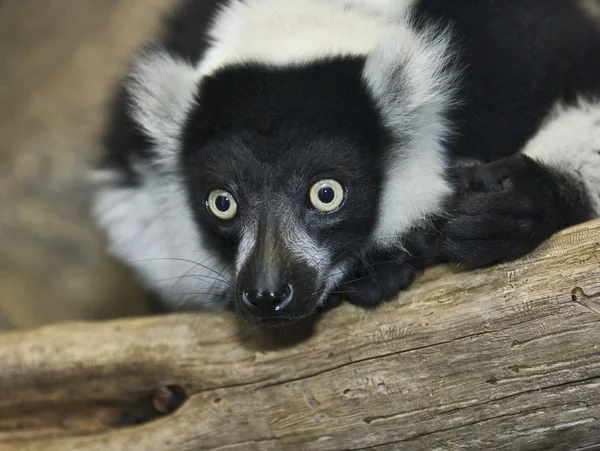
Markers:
{"x": 266, "y": 301}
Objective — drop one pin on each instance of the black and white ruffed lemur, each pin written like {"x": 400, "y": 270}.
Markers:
{"x": 272, "y": 154}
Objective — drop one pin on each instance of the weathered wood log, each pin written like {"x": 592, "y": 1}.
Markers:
{"x": 506, "y": 358}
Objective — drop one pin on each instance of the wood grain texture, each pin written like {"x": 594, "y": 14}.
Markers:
{"x": 505, "y": 358}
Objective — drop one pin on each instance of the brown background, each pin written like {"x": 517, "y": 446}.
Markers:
{"x": 59, "y": 61}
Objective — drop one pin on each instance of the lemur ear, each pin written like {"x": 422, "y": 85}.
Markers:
{"x": 411, "y": 75}
{"x": 162, "y": 89}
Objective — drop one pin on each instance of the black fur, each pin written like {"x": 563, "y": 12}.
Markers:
{"x": 123, "y": 141}
{"x": 185, "y": 31}
{"x": 381, "y": 274}
{"x": 518, "y": 59}
{"x": 507, "y": 208}
{"x": 266, "y": 135}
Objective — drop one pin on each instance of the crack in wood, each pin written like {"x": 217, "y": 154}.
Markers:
{"x": 353, "y": 362}
{"x": 538, "y": 389}
{"x": 425, "y": 434}
{"x": 558, "y": 333}
{"x": 247, "y": 442}
{"x": 574, "y": 383}
{"x": 558, "y": 426}
{"x": 392, "y": 354}
{"x": 590, "y": 302}
{"x": 471, "y": 423}
{"x": 591, "y": 447}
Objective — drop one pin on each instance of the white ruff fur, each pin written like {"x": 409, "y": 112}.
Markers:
{"x": 569, "y": 141}
{"x": 153, "y": 230}
{"x": 154, "y": 221}
{"x": 296, "y": 31}
{"x": 414, "y": 109}
{"x": 162, "y": 90}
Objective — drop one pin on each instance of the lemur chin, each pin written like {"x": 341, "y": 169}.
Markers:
{"x": 275, "y": 155}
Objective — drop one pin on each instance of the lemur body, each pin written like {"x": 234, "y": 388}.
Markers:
{"x": 273, "y": 153}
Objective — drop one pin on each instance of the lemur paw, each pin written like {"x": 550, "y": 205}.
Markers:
{"x": 381, "y": 274}
{"x": 502, "y": 211}
{"x": 371, "y": 284}
{"x": 374, "y": 283}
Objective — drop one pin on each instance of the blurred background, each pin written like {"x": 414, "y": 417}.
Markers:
{"x": 59, "y": 61}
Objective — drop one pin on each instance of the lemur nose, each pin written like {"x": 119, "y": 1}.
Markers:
{"x": 267, "y": 301}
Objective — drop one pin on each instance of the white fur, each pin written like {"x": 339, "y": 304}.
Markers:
{"x": 570, "y": 141}
{"x": 304, "y": 247}
{"x": 411, "y": 78}
{"x": 334, "y": 276}
{"x": 152, "y": 229}
{"x": 384, "y": 8}
{"x": 297, "y": 31}
{"x": 162, "y": 90}
{"x": 245, "y": 247}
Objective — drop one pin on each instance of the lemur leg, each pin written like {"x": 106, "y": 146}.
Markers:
{"x": 506, "y": 208}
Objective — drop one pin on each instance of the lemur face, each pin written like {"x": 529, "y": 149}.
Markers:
{"x": 288, "y": 227}
{"x": 286, "y": 193}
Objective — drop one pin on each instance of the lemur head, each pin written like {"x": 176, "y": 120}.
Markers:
{"x": 283, "y": 167}
{"x": 263, "y": 184}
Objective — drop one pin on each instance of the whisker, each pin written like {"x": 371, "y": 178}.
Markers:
{"x": 332, "y": 332}
{"x": 399, "y": 260}
{"x": 245, "y": 338}
{"x": 358, "y": 279}
{"x": 196, "y": 264}
{"x": 201, "y": 293}
{"x": 195, "y": 276}
{"x": 387, "y": 307}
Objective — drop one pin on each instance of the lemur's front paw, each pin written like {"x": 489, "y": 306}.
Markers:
{"x": 502, "y": 211}
{"x": 381, "y": 274}
{"x": 375, "y": 282}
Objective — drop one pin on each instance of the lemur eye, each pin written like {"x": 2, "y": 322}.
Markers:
{"x": 221, "y": 204}
{"x": 327, "y": 195}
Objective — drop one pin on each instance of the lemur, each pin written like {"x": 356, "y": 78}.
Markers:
{"x": 270, "y": 155}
